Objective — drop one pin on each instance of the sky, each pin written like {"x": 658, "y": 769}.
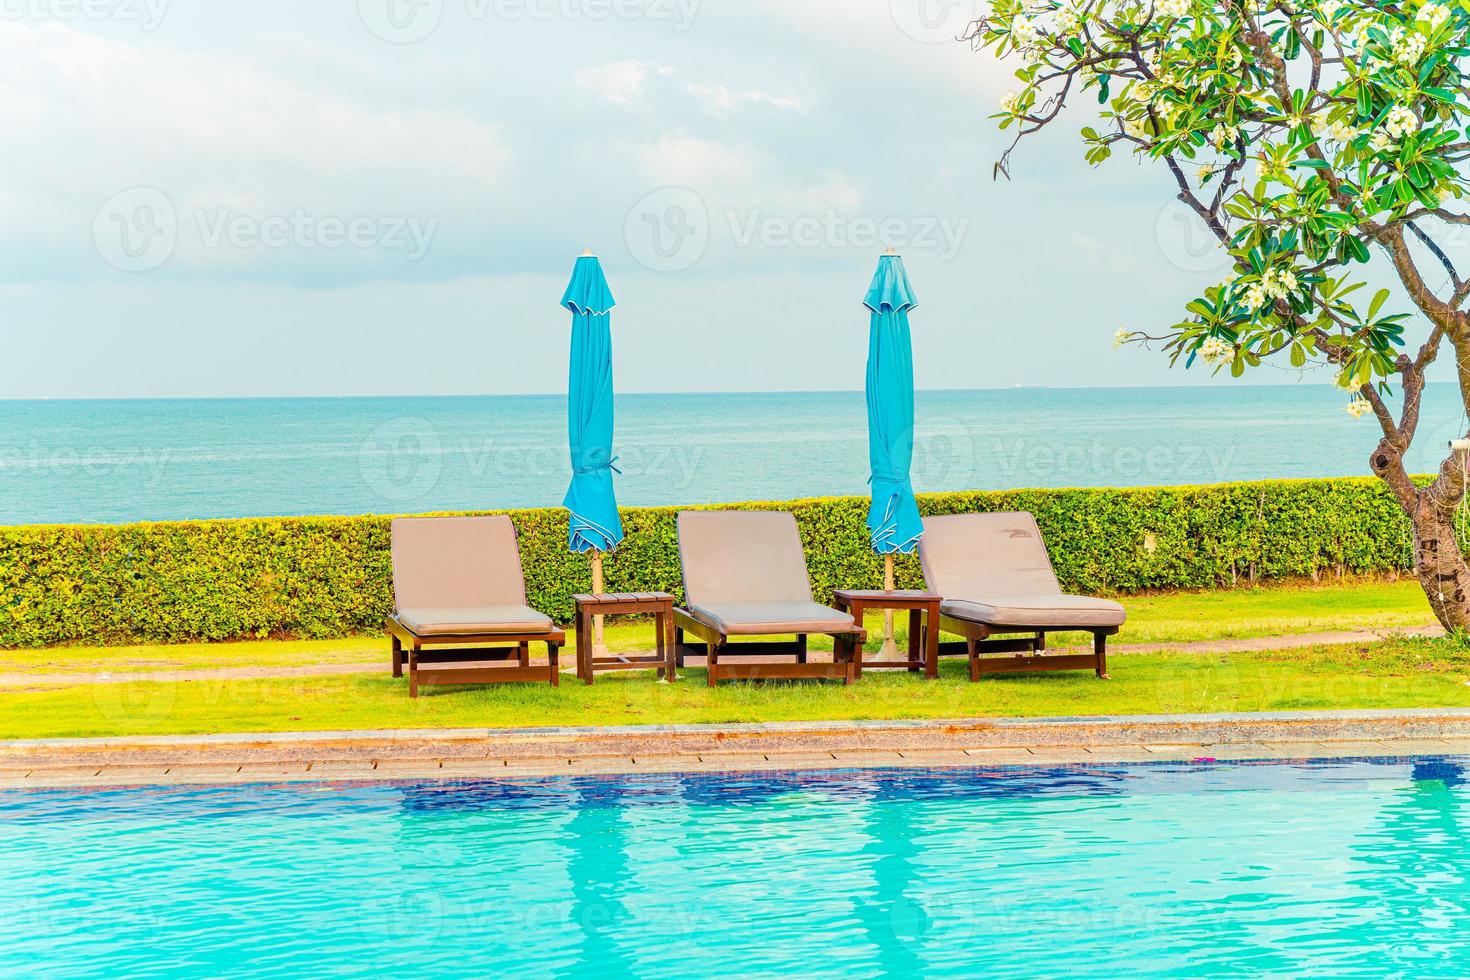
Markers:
{"x": 386, "y": 197}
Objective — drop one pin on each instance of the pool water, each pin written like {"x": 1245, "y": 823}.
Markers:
{"x": 1342, "y": 868}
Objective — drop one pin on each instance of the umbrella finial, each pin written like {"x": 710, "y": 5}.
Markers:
{"x": 587, "y": 252}
{"x": 891, "y": 251}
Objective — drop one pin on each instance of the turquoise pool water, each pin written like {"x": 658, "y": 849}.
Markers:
{"x": 1356, "y": 868}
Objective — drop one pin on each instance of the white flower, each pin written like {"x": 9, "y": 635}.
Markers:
{"x": 1069, "y": 19}
{"x": 1224, "y": 136}
{"x": 1329, "y": 9}
{"x": 1011, "y": 104}
{"x": 1382, "y": 143}
{"x": 1255, "y": 296}
{"x": 1137, "y": 128}
{"x": 1204, "y": 173}
{"x": 1216, "y": 351}
{"x": 1400, "y": 122}
{"x": 1174, "y": 8}
{"x": 1339, "y": 131}
{"x": 1023, "y": 32}
{"x": 1358, "y": 407}
{"x": 1408, "y": 47}
{"x": 1434, "y": 15}
{"x": 1121, "y": 337}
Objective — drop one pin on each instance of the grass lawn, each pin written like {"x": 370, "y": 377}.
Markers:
{"x": 1172, "y": 617}
{"x": 1384, "y": 674}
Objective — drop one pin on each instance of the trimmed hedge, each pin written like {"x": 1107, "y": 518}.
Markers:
{"x": 321, "y": 577}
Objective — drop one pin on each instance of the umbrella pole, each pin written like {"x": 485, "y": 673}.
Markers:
{"x": 890, "y": 649}
{"x": 599, "y": 644}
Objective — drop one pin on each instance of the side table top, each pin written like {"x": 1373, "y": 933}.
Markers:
{"x": 880, "y": 595}
{"x": 618, "y": 598}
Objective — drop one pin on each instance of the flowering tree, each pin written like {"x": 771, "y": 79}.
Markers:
{"x": 1306, "y": 136}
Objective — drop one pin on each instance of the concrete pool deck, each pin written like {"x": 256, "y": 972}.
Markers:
{"x": 510, "y": 753}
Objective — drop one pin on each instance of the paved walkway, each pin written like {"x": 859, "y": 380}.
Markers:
{"x": 39, "y": 678}
{"x": 510, "y": 753}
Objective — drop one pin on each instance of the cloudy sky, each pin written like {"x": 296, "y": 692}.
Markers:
{"x": 270, "y": 197}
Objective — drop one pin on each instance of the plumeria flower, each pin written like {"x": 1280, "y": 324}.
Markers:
{"x": 1224, "y": 136}
{"x": 1382, "y": 142}
{"x": 1174, "y": 8}
{"x": 1011, "y": 104}
{"x": 1216, "y": 351}
{"x": 1358, "y": 407}
{"x": 1121, "y": 337}
{"x": 1408, "y": 46}
{"x": 1434, "y": 15}
{"x": 1069, "y": 20}
{"x": 1023, "y": 32}
{"x": 1400, "y": 122}
{"x": 1255, "y": 296}
{"x": 1328, "y": 9}
{"x": 1204, "y": 173}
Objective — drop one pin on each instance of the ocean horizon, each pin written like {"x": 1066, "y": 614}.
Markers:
{"x": 122, "y": 460}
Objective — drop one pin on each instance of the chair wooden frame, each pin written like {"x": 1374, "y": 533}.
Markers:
{"x": 847, "y": 653}
{"x": 1028, "y": 652}
{"x": 424, "y": 665}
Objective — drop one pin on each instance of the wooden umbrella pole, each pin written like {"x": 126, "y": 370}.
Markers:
{"x": 599, "y": 643}
{"x": 890, "y": 649}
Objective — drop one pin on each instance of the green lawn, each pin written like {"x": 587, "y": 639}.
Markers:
{"x": 1181, "y": 617}
{"x": 1386, "y": 674}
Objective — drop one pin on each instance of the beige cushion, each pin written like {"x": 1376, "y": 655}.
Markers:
{"x": 456, "y": 563}
{"x": 1036, "y": 612}
{"x": 760, "y": 619}
{"x": 464, "y": 620}
{"x": 742, "y": 558}
{"x": 981, "y": 556}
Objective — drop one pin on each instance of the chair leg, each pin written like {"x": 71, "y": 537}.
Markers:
{"x": 413, "y": 670}
{"x": 1040, "y": 642}
{"x": 553, "y": 656}
{"x": 1100, "y": 650}
{"x": 397, "y": 657}
{"x": 523, "y": 653}
{"x": 973, "y": 648}
{"x": 854, "y": 661}
{"x": 801, "y": 649}
{"x": 714, "y": 662}
{"x": 679, "y": 648}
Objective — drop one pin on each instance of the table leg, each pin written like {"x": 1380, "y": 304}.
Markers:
{"x": 915, "y": 636}
{"x": 584, "y": 647}
{"x": 931, "y": 642}
{"x": 857, "y": 645}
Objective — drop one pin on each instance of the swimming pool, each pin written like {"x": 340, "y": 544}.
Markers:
{"x": 1356, "y": 867}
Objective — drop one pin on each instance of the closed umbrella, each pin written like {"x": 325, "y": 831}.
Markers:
{"x": 594, "y": 524}
{"x": 893, "y": 517}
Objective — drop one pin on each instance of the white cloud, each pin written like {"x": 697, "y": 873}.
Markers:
{"x": 619, "y": 82}
{"x": 721, "y": 100}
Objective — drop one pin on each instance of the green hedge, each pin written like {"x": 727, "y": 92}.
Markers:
{"x": 329, "y": 576}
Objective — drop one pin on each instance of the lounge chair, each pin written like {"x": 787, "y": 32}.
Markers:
{"x": 457, "y": 582}
{"x": 997, "y": 580}
{"x": 745, "y": 576}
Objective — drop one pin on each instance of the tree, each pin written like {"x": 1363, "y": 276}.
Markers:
{"x": 1307, "y": 137}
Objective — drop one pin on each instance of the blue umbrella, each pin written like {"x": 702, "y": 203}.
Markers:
{"x": 893, "y": 518}
{"x": 595, "y": 525}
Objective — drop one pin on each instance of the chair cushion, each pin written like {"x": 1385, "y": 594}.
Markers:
{"x": 1038, "y": 611}
{"x": 766, "y": 618}
{"x": 456, "y": 562}
{"x": 743, "y": 557}
{"x": 466, "y": 620}
{"x": 987, "y": 555}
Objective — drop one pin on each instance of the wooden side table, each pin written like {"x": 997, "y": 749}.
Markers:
{"x": 923, "y": 610}
{"x": 660, "y": 605}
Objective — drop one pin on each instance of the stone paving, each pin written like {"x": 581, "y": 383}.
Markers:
{"x": 480, "y": 754}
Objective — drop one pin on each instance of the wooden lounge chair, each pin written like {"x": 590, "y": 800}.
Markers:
{"x": 745, "y": 576}
{"x": 997, "y": 580}
{"x": 457, "y": 583}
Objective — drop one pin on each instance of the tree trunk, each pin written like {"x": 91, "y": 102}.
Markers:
{"x": 1441, "y": 566}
